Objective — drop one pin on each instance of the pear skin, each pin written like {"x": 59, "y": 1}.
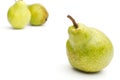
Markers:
{"x": 88, "y": 49}
{"x": 19, "y": 15}
{"x": 39, "y": 14}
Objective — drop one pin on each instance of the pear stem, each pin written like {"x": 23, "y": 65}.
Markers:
{"x": 73, "y": 21}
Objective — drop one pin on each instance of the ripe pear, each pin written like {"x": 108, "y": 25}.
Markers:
{"x": 39, "y": 14}
{"x": 19, "y": 15}
{"x": 88, "y": 49}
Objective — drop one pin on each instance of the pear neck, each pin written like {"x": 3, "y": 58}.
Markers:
{"x": 73, "y": 21}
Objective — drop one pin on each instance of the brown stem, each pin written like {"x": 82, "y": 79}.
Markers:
{"x": 73, "y": 21}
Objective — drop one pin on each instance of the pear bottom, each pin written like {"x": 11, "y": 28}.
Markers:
{"x": 85, "y": 62}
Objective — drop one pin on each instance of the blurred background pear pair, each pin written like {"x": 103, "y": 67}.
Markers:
{"x": 20, "y": 14}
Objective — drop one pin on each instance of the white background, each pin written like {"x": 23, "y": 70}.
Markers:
{"x": 39, "y": 53}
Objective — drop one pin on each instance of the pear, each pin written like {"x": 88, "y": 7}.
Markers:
{"x": 19, "y": 15}
{"x": 88, "y": 49}
{"x": 39, "y": 14}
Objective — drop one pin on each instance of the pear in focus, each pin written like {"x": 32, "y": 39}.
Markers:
{"x": 88, "y": 49}
{"x": 39, "y": 14}
{"x": 19, "y": 15}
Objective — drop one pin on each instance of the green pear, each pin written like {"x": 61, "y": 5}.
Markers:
{"x": 39, "y": 14}
{"x": 19, "y": 15}
{"x": 88, "y": 49}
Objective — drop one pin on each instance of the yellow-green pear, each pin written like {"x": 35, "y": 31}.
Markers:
{"x": 88, "y": 49}
{"x": 39, "y": 14}
{"x": 19, "y": 15}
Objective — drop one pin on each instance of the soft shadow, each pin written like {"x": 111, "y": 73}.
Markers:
{"x": 89, "y": 73}
{"x": 36, "y": 25}
{"x": 8, "y": 27}
{"x": 11, "y": 28}
{"x": 76, "y": 71}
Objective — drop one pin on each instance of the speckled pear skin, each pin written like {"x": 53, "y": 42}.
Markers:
{"x": 39, "y": 14}
{"x": 19, "y": 15}
{"x": 88, "y": 49}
